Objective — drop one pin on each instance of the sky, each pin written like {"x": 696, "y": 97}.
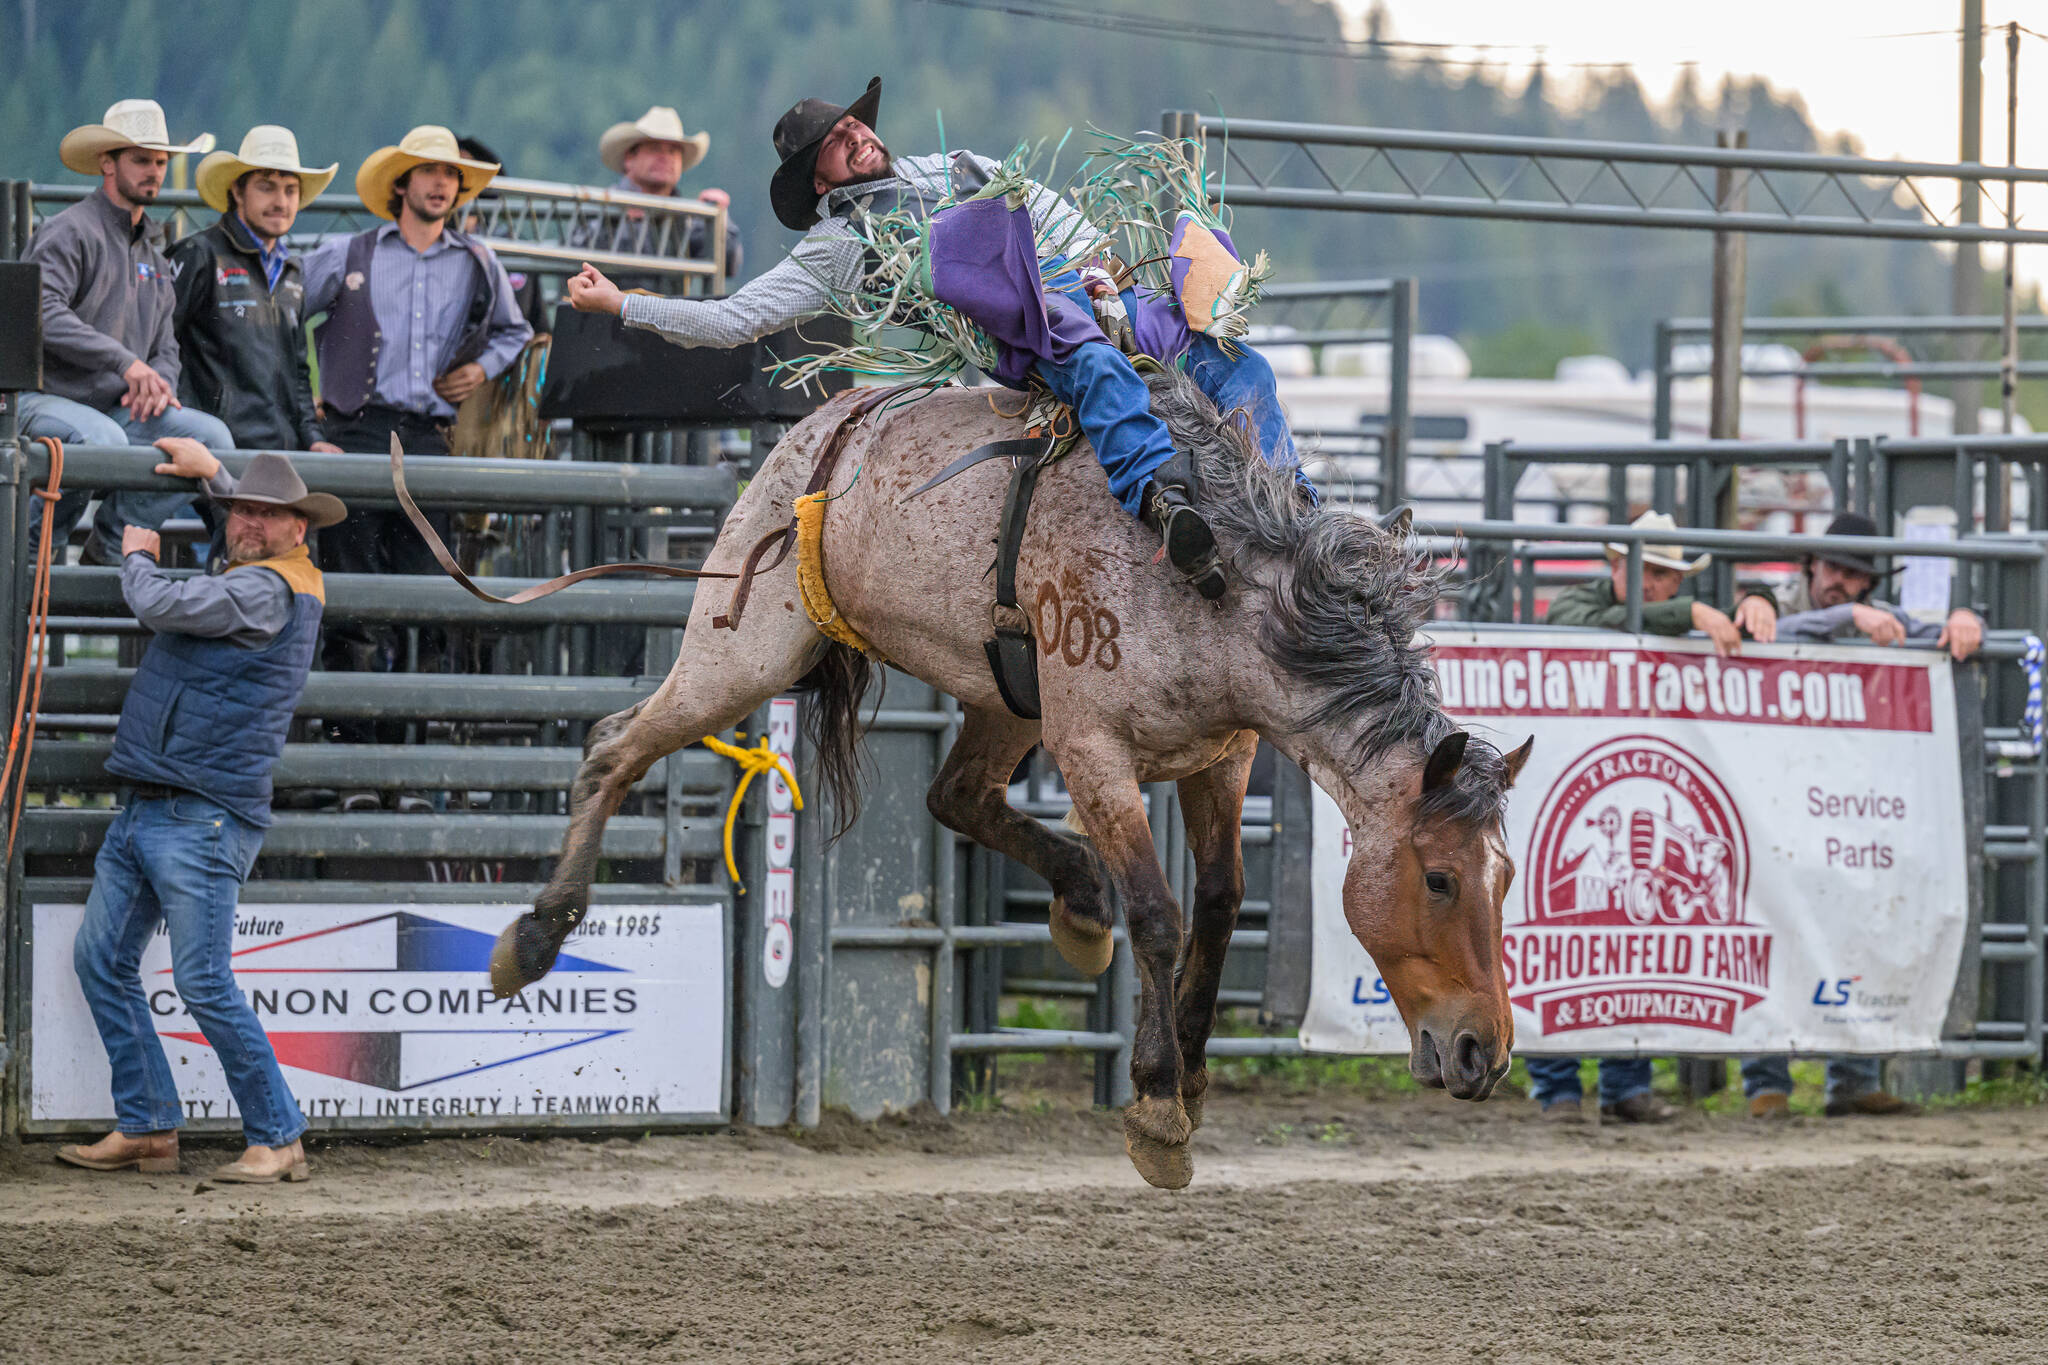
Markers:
{"x": 1886, "y": 71}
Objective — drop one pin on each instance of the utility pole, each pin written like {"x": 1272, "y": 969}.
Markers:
{"x": 2008, "y": 360}
{"x": 1966, "y": 283}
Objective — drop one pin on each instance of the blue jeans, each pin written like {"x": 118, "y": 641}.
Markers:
{"x": 180, "y": 860}
{"x": 1244, "y": 382}
{"x": 1115, "y": 408}
{"x": 1557, "y": 1078}
{"x": 1848, "y": 1077}
{"x": 74, "y": 423}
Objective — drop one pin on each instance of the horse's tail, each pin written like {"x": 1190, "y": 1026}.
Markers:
{"x": 836, "y": 685}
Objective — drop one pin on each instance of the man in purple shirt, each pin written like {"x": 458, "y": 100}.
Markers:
{"x": 419, "y": 314}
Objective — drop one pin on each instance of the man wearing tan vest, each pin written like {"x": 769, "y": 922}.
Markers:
{"x": 202, "y": 726}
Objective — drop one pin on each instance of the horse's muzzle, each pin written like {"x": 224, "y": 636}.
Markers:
{"x": 1457, "y": 1060}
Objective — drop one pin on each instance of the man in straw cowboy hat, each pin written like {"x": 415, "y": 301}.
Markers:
{"x": 240, "y": 317}
{"x": 419, "y": 314}
{"x": 202, "y": 726}
{"x": 1554, "y": 1082}
{"x": 649, "y": 155}
{"x": 110, "y": 360}
{"x": 1602, "y": 603}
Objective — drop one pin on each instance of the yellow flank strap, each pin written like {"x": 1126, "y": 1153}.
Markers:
{"x": 810, "y": 575}
{"x": 760, "y": 759}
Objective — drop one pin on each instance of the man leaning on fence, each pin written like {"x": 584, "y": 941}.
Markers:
{"x": 419, "y": 314}
{"x": 240, "y": 321}
{"x": 1832, "y": 601}
{"x": 202, "y": 726}
{"x": 1625, "y": 1081}
{"x": 111, "y": 367}
{"x": 649, "y": 155}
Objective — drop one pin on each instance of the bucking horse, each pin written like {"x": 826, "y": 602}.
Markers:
{"x": 1313, "y": 648}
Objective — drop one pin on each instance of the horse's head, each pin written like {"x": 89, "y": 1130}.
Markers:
{"x": 1426, "y": 903}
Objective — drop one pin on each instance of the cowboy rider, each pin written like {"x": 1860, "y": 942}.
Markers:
{"x": 833, "y": 167}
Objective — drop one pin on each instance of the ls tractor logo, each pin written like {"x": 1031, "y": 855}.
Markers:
{"x": 1376, "y": 994}
{"x": 1834, "y": 993}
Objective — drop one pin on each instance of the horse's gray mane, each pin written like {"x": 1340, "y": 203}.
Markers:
{"x": 1345, "y": 601}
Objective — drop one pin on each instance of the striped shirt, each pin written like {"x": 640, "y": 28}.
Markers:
{"x": 829, "y": 260}
{"x": 421, "y": 299}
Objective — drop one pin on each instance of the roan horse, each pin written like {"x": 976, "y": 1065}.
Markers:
{"x": 1313, "y": 648}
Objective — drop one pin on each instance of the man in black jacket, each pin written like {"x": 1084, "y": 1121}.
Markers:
{"x": 239, "y": 320}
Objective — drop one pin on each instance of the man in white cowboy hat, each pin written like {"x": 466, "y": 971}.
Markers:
{"x": 239, "y": 321}
{"x": 649, "y": 155}
{"x": 1554, "y": 1082}
{"x": 419, "y": 314}
{"x": 110, "y": 359}
{"x": 203, "y": 724}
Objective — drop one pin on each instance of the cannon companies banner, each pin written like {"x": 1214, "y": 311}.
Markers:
{"x": 383, "y": 1014}
{"x": 1761, "y": 853}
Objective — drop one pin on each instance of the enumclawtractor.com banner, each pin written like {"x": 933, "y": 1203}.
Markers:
{"x": 1756, "y": 854}
{"x": 384, "y": 1014}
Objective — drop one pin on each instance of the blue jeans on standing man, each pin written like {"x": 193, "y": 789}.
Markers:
{"x": 75, "y": 423}
{"x": 1557, "y": 1078}
{"x": 1848, "y": 1077}
{"x": 179, "y": 860}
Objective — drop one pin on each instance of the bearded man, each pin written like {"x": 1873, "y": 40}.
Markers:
{"x": 836, "y": 173}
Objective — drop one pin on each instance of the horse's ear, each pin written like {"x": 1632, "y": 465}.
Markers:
{"x": 1520, "y": 756}
{"x": 1444, "y": 760}
{"x": 1397, "y": 522}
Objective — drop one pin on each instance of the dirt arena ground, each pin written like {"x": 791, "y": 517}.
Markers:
{"x": 1320, "y": 1229}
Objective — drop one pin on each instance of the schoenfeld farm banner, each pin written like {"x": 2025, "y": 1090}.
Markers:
{"x": 1763, "y": 853}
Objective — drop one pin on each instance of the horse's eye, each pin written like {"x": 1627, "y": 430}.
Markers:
{"x": 1439, "y": 883}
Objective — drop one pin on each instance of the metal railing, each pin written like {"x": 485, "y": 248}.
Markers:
{"x": 493, "y": 752}
{"x": 540, "y": 225}
{"x": 1559, "y": 180}
{"x": 1669, "y": 332}
{"x": 2019, "y": 942}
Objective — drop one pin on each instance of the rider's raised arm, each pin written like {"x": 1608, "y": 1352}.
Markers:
{"x": 825, "y": 261}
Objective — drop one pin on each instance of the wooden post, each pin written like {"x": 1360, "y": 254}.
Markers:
{"x": 1966, "y": 281}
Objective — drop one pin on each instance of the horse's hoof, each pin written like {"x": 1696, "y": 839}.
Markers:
{"x": 524, "y": 953}
{"x": 1162, "y": 1158}
{"x": 1087, "y": 946}
{"x": 1194, "y": 1085}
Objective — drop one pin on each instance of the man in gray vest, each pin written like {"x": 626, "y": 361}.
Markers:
{"x": 110, "y": 360}
{"x": 203, "y": 724}
{"x": 418, "y": 315}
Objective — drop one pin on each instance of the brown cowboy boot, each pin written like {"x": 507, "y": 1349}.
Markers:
{"x": 265, "y": 1165}
{"x": 1190, "y": 545}
{"x": 150, "y": 1153}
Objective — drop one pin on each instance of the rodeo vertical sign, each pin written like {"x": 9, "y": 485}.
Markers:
{"x": 1758, "y": 853}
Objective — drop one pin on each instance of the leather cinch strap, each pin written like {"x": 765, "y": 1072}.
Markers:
{"x": 524, "y": 595}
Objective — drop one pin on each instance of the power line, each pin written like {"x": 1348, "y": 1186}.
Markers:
{"x": 1175, "y": 29}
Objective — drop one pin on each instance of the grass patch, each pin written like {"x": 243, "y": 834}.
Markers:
{"x": 2018, "y": 1091}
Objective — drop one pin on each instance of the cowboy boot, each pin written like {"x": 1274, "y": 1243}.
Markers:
{"x": 1170, "y": 511}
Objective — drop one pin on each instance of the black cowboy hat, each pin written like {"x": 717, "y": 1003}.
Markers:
{"x": 271, "y": 479}
{"x": 798, "y": 134}
{"x": 1851, "y": 524}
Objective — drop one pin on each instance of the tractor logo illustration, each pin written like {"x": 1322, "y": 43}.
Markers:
{"x": 1636, "y": 911}
{"x": 1639, "y": 832}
